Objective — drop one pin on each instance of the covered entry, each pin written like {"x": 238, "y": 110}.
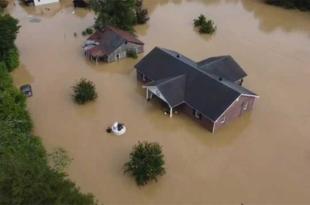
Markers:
{"x": 170, "y": 90}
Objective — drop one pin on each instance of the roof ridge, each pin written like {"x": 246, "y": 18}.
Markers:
{"x": 202, "y": 71}
{"x": 179, "y": 58}
{"x": 220, "y": 58}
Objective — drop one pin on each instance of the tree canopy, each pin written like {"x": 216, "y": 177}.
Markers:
{"x": 25, "y": 174}
{"x": 290, "y": 4}
{"x": 121, "y": 14}
{"x": 204, "y": 25}
{"x": 146, "y": 162}
{"x": 8, "y": 31}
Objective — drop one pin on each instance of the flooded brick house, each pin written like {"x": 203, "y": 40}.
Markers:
{"x": 210, "y": 91}
{"x": 111, "y": 44}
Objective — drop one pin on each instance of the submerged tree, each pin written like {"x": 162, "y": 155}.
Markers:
{"x": 146, "y": 163}
{"x": 122, "y": 14}
{"x": 25, "y": 177}
{"x": 8, "y": 32}
{"x": 204, "y": 25}
{"x": 142, "y": 13}
{"x": 290, "y": 4}
{"x": 200, "y": 20}
{"x": 132, "y": 54}
{"x": 84, "y": 91}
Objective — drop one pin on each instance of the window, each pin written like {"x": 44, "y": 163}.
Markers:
{"x": 223, "y": 120}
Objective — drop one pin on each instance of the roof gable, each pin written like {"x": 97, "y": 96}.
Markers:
{"x": 172, "y": 89}
{"x": 222, "y": 66}
{"x": 109, "y": 39}
{"x": 208, "y": 95}
{"x": 160, "y": 64}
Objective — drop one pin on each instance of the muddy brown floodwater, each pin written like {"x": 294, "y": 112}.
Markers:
{"x": 262, "y": 158}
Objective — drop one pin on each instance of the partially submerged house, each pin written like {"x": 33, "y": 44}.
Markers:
{"x": 111, "y": 44}
{"x": 210, "y": 90}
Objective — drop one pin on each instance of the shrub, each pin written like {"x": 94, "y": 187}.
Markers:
{"x": 8, "y": 32}
{"x": 25, "y": 176}
{"x": 205, "y": 26}
{"x": 146, "y": 163}
{"x": 89, "y": 31}
{"x": 84, "y": 91}
{"x": 142, "y": 13}
{"x": 132, "y": 54}
{"x": 123, "y": 14}
{"x": 12, "y": 59}
{"x": 200, "y": 20}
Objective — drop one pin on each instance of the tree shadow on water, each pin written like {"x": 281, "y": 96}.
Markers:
{"x": 272, "y": 18}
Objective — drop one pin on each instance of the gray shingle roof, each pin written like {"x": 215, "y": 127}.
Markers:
{"x": 222, "y": 66}
{"x": 201, "y": 90}
{"x": 109, "y": 39}
{"x": 173, "y": 89}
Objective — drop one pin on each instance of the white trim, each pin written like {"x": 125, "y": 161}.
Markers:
{"x": 213, "y": 127}
{"x": 227, "y": 109}
{"x": 249, "y": 95}
{"x": 236, "y": 100}
{"x": 155, "y": 91}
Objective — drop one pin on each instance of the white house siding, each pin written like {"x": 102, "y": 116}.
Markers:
{"x": 42, "y": 2}
{"x": 121, "y": 52}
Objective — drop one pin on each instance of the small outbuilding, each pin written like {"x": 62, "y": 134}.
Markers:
{"x": 210, "y": 91}
{"x": 111, "y": 44}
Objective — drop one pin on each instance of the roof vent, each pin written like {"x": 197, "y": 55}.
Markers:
{"x": 178, "y": 55}
{"x": 220, "y": 79}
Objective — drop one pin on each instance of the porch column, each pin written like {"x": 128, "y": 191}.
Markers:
{"x": 147, "y": 94}
{"x": 171, "y": 111}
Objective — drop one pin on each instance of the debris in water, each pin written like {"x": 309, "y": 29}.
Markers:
{"x": 26, "y": 90}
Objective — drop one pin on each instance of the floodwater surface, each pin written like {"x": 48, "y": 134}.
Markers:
{"x": 261, "y": 158}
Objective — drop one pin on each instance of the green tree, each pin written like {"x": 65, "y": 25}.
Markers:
{"x": 200, "y": 20}
{"x": 8, "y": 32}
{"x": 84, "y": 91}
{"x": 11, "y": 59}
{"x": 25, "y": 176}
{"x": 120, "y": 14}
{"x": 207, "y": 27}
{"x": 291, "y": 4}
{"x": 204, "y": 25}
{"x": 146, "y": 163}
{"x": 132, "y": 54}
{"x": 142, "y": 13}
